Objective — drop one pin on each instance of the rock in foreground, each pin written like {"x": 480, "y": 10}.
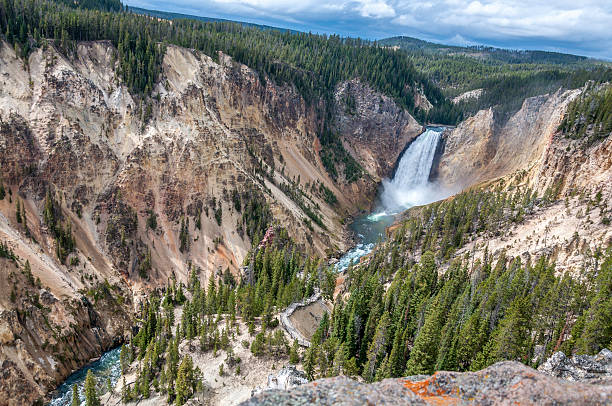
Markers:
{"x": 287, "y": 378}
{"x": 581, "y": 368}
{"x": 505, "y": 383}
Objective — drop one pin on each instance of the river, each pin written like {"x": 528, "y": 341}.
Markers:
{"x": 409, "y": 187}
{"x": 107, "y": 367}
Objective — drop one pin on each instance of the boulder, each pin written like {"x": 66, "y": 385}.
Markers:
{"x": 580, "y": 368}
{"x": 287, "y": 378}
{"x": 504, "y": 383}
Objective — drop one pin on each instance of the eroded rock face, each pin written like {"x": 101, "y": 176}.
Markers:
{"x": 133, "y": 175}
{"x": 580, "y": 368}
{"x": 483, "y": 147}
{"x": 68, "y": 125}
{"x": 504, "y": 383}
{"x": 374, "y": 129}
{"x": 287, "y": 378}
{"x": 339, "y": 391}
{"x": 572, "y": 176}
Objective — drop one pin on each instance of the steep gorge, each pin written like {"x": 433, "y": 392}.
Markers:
{"x": 529, "y": 151}
{"x": 148, "y": 190}
{"x": 151, "y": 189}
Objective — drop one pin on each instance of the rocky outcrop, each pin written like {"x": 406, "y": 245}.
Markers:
{"x": 580, "y": 368}
{"x": 374, "y": 129}
{"x": 485, "y": 147}
{"x": 470, "y": 94}
{"x": 287, "y": 378}
{"x": 504, "y": 383}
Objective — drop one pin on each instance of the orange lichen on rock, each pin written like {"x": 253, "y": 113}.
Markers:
{"x": 421, "y": 389}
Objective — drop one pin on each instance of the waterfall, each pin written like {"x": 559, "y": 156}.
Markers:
{"x": 410, "y": 186}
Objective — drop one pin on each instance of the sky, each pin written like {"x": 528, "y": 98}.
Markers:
{"x": 582, "y": 27}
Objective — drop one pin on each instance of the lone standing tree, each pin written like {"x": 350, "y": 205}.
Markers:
{"x": 91, "y": 395}
{"x": 76, "y": 401}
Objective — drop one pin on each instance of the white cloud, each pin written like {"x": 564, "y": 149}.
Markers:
{"x": 376, "y": 9}
{"x": 406, "y": 20}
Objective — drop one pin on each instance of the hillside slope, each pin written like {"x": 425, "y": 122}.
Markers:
{"x": 516, "y": 266}
{"x": 529, "y": 151}
{"x": 119, "y": 195}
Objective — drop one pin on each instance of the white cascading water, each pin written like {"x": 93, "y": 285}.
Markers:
{"x": 410, "y": 186}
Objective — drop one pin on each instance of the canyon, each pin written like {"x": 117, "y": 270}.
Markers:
{"x": 132, "y": 179}
{"x": 153, "y": 190}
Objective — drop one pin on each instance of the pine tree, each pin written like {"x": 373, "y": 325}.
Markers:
{"x": 597, "y": 331}
{"x": 377, "y": 348}
{"x": 339, "y": 360}
{"x": 472, "y": 337}
{"x": 91, "y": 393}
{"x": 397, "y": 358}
{"x": 294, "y": 356}
{"x": 425, "y": 350}
{"x": 384, "y": 371}
{"x": 126, "y": 396}
{"x": 124, "y": 359}
{"x": 257, "y": 346}
{"x": 184, "y": 381}
{"x": 310, "y": 361}
{"x": 76, "y": 400}
{"x": 511, "y": 340}
{"x": 18, "y": 211}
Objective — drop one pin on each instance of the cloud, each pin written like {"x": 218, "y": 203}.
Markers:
{"x": 376, "y": 9}
{"x": 581, "y": 27}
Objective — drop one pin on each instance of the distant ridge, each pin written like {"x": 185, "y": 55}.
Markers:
{"x": 175, "y": 16}
{"x": 493, "y": 54}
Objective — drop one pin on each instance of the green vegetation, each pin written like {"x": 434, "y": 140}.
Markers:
{"x": 590, "y": 115}
{"x": 256, "y": 215}
{"x": 106, "y": 5}
{"x": 445, "y": 226}
{"x": 7, "y": 252}
{"x": 277, "y": 276}
{"x": 507, "y": 91}
{"x": 76, "y": 400}
{"x": 294, "y": 191}
{"x": 61, "y": 231}
{"x": 507, "y": 77}
{"x": 489, "y": 54}
{"x": 406, "y": 317}
{"x": 91, "y": 393}
{"x": 184, "y": 235}
{"x": 472, "y": 315}
{"x": 334, "y": 153}
{"x": 152, "y": 220}
{"x": 328, "y": 195}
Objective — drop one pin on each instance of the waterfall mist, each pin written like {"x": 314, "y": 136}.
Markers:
{"x": 410, "y": 185}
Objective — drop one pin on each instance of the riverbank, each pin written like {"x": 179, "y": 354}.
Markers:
{"x": 106, "y": 368}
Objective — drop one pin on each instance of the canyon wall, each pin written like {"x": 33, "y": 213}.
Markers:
{"x": 149, "y": 188}
{"x": 573, "y": 178}
{"x": 486, "y": 146}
